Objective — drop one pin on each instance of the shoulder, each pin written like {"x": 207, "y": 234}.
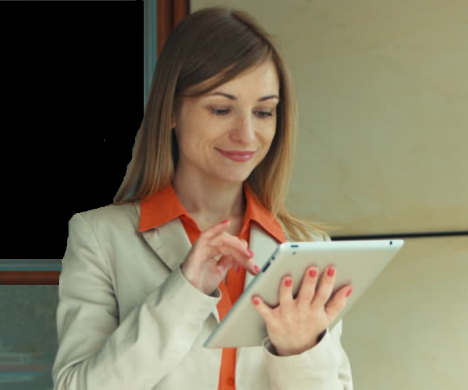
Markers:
{"x": 111, "y": 215}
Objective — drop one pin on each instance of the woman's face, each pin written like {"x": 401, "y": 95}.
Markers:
{"x": 214, "y": 122}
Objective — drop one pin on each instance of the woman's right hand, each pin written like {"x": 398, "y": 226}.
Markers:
{"x": 203, "y": 271}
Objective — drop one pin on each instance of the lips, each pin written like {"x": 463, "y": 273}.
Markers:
{"x": 242, "y": 154}
{"x": 237, "y": 156}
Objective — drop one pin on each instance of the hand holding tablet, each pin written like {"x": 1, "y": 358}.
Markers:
{"x": 357, "y": 264}
{"x": 294, "y": 326}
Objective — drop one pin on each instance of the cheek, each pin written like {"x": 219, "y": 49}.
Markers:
{"x": 187, "y": 139}
{"x": 269, "y": 136}
{"x": 194, "y": 144}
{"x": 267, "y": 145}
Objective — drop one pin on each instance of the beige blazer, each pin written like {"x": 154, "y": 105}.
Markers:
{"x": 127, "y": 319}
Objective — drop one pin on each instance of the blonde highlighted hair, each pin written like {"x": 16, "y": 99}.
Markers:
{"x": 215, "y": 44}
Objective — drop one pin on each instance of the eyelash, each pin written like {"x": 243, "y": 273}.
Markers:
{"x": 264, "y": 115}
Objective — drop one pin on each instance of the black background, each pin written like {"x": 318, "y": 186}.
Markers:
{"x": 72, "y": 103}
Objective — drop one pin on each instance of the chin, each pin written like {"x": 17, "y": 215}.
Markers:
{"x": 236, "y": 178}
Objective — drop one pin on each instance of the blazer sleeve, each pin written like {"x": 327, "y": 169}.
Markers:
{"x": 323, "y": 367}
{"x": 95, "y": 349}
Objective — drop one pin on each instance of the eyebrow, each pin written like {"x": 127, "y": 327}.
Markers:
{"x": 232, "y": 97}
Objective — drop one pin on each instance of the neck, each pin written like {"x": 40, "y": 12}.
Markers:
{"x": 210, "y": 201}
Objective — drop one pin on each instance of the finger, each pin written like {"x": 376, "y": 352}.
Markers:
{"x": 225, "y": 263}
{"x": 335, "y": 305}
{"x": 263, "y": 309}
{"x": 214, "y": 230}
{"x": 308, "y": 286}
{"x": 285, "y": 292}
{"x": 231, "y": 246}
{"x": 239, "y": 266}
{"x": 251, "y": 265}
{"x": 322, "y": 295}
{"x": 240, "y": 261}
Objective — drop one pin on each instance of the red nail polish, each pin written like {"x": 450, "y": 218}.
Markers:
{"x": 288, "y": 282}
{"x": 250, "y": 252}
{"x": 331, "y": 271}
{"x": 349, "y": 292}
{"x": 225, "y": 221}
{"x": 255, "y": 301}
{"x": 312, "y": 273}
{"x": 256, "y": 268}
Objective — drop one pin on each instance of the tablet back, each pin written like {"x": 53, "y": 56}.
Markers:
{"x": 357, "y": 263}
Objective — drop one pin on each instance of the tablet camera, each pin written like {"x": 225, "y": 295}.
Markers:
{"x": 294, "y": 246}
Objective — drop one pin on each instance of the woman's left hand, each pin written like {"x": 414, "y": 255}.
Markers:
{"x": 295, "y": 325}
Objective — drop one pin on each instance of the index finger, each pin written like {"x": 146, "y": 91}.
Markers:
{"x": 215, "y": 229}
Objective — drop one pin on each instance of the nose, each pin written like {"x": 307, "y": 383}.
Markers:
{"x": 244, "y": 128}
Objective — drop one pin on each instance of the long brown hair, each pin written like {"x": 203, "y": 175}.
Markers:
{"x": 215, "y": 43}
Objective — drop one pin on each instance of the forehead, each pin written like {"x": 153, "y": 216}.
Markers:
{"x": 261, "y": 80}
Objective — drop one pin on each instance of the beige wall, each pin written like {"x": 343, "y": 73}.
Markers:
{"x": 382, "y": 88}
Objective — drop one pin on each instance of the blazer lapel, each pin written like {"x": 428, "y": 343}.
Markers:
{"x": 170, "y": 242}
{"x": 263, "y": 245}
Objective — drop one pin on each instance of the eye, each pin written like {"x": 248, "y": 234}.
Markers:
{"x": 265, "y": 114}
{"x": 219, "y": 112}
{"x": 261, "y": 114}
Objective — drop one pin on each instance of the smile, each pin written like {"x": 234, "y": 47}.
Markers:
{"x": 237, "y": 157}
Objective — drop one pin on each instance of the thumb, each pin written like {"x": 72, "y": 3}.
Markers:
{"x": 262, "y": 308}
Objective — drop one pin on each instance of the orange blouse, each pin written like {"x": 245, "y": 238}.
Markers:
{"x": 153, "y": 215}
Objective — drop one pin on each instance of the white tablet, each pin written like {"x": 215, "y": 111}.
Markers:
{"x": 357, "y": 263}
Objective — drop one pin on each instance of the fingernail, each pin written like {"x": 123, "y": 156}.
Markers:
{"x": 256, "y": 301}
{"x": 226, "y": 220}
{"x": 312, "y": 273}
{"x": 250, "y": 252}
{"x": 256, "y": 268}
{"x": 288, "y": 282}
{"x": 331, "y": 271}
{"x": 349, "y": 292}
{"x": 238, "y": 268}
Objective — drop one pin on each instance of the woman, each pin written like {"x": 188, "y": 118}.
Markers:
{"x": 146, "y": 280}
